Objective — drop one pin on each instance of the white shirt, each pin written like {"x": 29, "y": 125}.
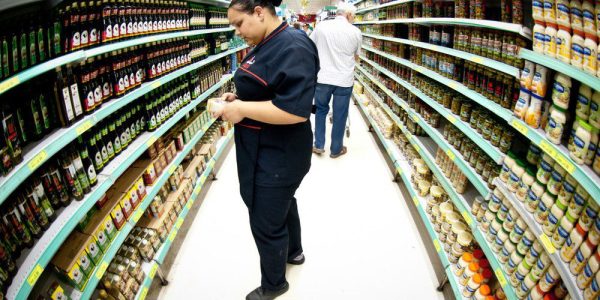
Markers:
{"x": 337, "y": 42}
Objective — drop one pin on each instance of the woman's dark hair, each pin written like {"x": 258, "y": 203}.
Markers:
{"x": 248, "y": 6}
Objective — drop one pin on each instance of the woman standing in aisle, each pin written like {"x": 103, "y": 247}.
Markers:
{"x": 275, "y": 86}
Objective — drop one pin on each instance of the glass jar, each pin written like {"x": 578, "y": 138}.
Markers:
{"x": 506, "y": 140}
{"x": 545, "y": 169}
{"x": 465, "y": 111}
{"x": 497, "y": 134}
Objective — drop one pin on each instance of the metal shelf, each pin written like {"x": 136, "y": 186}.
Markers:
{"x": 99, "y": 270}
{"x": 79, "y": 55}
{"x": 454, "y": 154}
{"x": 557, "y": 65}
{"x": 494, "y": 64}
{"x": 150, "y": 268}
{"x": 500, "y": 111}
{"x": 509, "y": 27}
{"x": 584, "y": 174}
{"x": 403, "y": 171}
{"x": 424, "y": 147}
{"x": 43, "y": 251}
{"x": 464, "y": 127}
{"x": 362, "y": 10}
{"x": 568, "y": 279}
{"x": 37, "y": 154}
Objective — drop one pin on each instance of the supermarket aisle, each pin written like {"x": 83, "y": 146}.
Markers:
{"x": 359, "y": 239}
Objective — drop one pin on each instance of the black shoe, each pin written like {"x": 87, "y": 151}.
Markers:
{"x": 263, "y": 294}
{"x": 298, "y": 260}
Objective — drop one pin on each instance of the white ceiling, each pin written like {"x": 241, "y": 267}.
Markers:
{"x": 313, "y": 5}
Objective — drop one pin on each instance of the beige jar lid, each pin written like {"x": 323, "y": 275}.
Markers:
{"x": 464, "y": 238}
{"x": 436, "y": 191}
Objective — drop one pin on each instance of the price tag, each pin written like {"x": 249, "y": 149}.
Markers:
{"x": 84, "y": 127}
{"x": 454, "y": 85}
{"x": 417, "y": 148}
{"x": 467, "y": 217}
{"x": 35, "y": 275}
{"x": 435, "y": 48}
{"x": 156, "y": 84}
{"x": 179, "y": 223}
{"x": 451, "y": 119}
{"x": 211, "y": 164}
{"x": 9, "y": 84}
{"x": 415, "y": 200}
{"x": 545, "y": 145}
{"x": 450, "y": 154}
{"x": 476, "y": 59}
{"x": 519, "y": 126}
{"x": 437, "y": 245}
{"x": 547, "y": 243}
{"x": 189, "y": 204}
{"x": 565, "y": 163}
{"x": 203, "y": 179}
{"x": 138, "y": 214}
{"x": 500, "y": 276}
{"x": 37, "y": 160}
{"x": 151, "y": 141}
{"x": 415, "y": 118}
{"x": 144, "y": 293}
{"x": 399, "y": 171}
{"x": 172, "y": 235}
{"x": 172, "y": 169}
{"x": 153, "y": 271}
{"x": 197, "y": 190}
{"x": 101, "y": 270}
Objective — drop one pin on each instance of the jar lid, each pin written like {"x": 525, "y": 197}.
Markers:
{"x": 484, "y": 290}
{"x": 484, "y": 263}
{"x": 464, "y": 239}
{"x": 477, "y": 278}
{"x": 468, "y": 257}
{"x": 478, "y": 254}
{"x": 474, "y": 267}
{"x": 436, "y": 191}
{"x": 585, "y": 125}
{"x": 487, "y": 274}
{"x": 459, "y": 227}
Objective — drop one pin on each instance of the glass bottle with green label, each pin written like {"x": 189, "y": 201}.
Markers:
{"x": 88, "y": 164}
{"x": 69, "y": 173}
{"x": 94, "y": 151}
{"x": 106, "y": 137}
{"x": 20, "y": 232}
{"x": 37, "y": 190}
{"x": 41, "y": 40}
{"x": 37, "y": 210}
{"x": 80, "y": 171}
{"x": 32, "y": 43}
{"x": 10, "y": 126}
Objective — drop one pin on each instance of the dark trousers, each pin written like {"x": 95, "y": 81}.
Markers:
{"x": 275, "y": 225}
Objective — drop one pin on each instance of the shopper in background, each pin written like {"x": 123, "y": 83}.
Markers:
{"x": 338, "y": 43}
{"x": 275, "y": 86}
{"x": 307, "y": 28}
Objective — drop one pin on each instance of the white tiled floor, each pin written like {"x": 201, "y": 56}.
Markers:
{"x": 358, "y": 236}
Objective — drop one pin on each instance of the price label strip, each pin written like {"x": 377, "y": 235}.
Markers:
{"x": 415, "y": 200}
{"x": 102, "y": 270}
{"x": 476, "y": 59}
{"x": 84, "y": 127}
{"x": 138, "y": 214}
{"x": 9, "y": 84}
{"x": 35, "y": 275}
{"x": 547, "y": 243}
{"x": 467, "y": 217}
{"x": 153, "y": 271}
{"x": 144, "y": 293}
{"x": 451, "y": 118}
{"x": 451, "y": 154}
{"x": 500, "y": 276}
{"x": 37, "y": 160}
{"x": 519, "y": 126}
{"x": 437, "y": 245}
{"x": 172, "y": 235}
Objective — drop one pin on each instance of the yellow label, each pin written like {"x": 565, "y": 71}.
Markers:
{"x": 37, "y": 160}
{"x": 151, "y": 141}
{"x": 500, "y": 276}
{"x": 415, "y": 118}
{"x": 435, "y": 48}
{"x": 450, "y": 154}
{"x": 35, "y": 275}
{"x": 544, "y": 145}
{"x": 138, "y": 214}
{"x": 476, "y": 59}
{"x": 519, "y": 126}
{"x": 197, "y": 190}
{"x": 565, "y": 163}
{"x": 179, "y": 223}
{"x": 417, "y": 148}
{"x": 202, "y": 179}
{"x": 467, "y": 217}
{"x": 399, "y": 171}
{"x": 156, "y": 84}
{"x": 454, "y": 85}
{"x": 84, "y": 127}
{"x": 547, "y": 243}
{"x": 10, "y": 83}
{"x": 172, "y": 169}
{"x": 437, "y": 245}
{"x": 153, "y": 271}
{"x": 451, "y": 119}
{"x": 189, "y": 204}
{"x": 144, "y": 293}
{"x": 172, "y": 235}
{"x": 101, "y": 270}
{"x": 415, "y": 200}
{"x": 211, "y": 164}
{"x": 58, "y": 292}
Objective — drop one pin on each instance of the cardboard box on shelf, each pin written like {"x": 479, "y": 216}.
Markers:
{"x": 146, "y": 166}
{"x": 72, "y": 261}
{"x": 96, "y": 228}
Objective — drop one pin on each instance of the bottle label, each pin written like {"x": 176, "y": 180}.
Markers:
{"x": 75, "y": 41}
{"x": 130, "y": 28}
{"x": 106, "y": 90}
{"x": 117, "y": 144}
{"x": 68, "y": 105}
{"x": 84, "y": 38}
{"x": 115, "y": 31}
{"x": 76, "y": 101}
{"x": 97, "y": 95}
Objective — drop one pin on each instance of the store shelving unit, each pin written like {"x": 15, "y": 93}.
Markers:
{"x": 110, "y": 253}
{"x": 464, "y": 127}
{"x": 569, "y": 279}
{"x": 436, "y": 135}
{"x": 500, "y": 111}
{"x": 41, "y": 254}
{"x": 35, "y": 155}
{"x": 80, "y": 55}
{"x": 403, "y": 170}
{"x": 496, "y": 65}
{"x": 151, "y": 267}
{"x": 426, "y": 147}
{"x": 509, "y": 27}
{"x": 559, "y": 66}
{"x": 392, "y": 3}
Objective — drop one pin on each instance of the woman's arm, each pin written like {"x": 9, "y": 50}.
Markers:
{"x": 262, "y": 111}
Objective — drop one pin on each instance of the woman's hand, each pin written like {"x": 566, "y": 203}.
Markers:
{"x": 232, "y": 112}
{"x": 229, "y": 97}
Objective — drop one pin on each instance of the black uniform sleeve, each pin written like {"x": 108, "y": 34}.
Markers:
{"x": 294, "y": 81}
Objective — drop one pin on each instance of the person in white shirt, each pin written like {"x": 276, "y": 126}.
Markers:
{"x": 338, "y": 43}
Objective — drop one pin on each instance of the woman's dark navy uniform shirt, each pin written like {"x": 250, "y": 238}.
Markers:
{"x": 282, "y": 68}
